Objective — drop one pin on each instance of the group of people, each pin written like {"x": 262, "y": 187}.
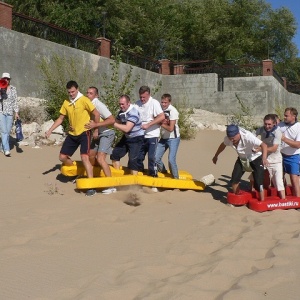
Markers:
{"x": 270, "y": 153}
{"x": 9, "y": 110}
{"x": 149, "y": 128}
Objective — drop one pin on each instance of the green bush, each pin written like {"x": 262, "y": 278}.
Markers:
{"x": 114, "y": 85}
{"x": 243, "y": 117}
{"x": 279, "y": 110}
{"x": 187, "y": 126}
{"x": 56, "y": 73}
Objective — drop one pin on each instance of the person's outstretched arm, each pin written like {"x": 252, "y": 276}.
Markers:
{"x": 124, "y": 127}
{"x": 56, "y": 123}
{"x": 220, "y": 149}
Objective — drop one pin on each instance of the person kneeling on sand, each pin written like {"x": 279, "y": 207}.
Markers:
{"x": 243, "y": 142}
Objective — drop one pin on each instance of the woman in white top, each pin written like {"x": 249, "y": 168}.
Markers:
{"x": 8, "y": 110}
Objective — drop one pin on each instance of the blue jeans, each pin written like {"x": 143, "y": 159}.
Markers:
{"x": 162, "y": 147}
{"x": 6, "y": 122}
{"x": 149, "y": 146}
{"x": 130, "y": 145}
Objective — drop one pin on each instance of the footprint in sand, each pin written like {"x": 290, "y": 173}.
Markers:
{"x": 132, "y": 200}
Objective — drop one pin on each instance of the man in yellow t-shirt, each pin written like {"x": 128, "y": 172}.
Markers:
{"x": 77, "y": 109}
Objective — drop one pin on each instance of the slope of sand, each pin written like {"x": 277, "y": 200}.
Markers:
{"x": 55, "y": 243}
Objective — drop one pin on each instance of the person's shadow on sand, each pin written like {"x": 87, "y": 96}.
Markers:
{"x": 56, "y": 167}
{"x": 60, "y": 177}
{"x": 64, "y": 179}
{"x": 13, "y": 143}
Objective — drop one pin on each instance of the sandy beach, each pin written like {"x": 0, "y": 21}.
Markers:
{"x": 56, "y": 243}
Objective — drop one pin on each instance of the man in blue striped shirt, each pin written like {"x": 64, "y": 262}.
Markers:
{"x": 128, "y": 121}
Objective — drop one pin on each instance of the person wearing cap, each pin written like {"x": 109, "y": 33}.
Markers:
{"x": 78, "y": 109}
{"x": 244, "y": 143}
{"x": 290, "y": 147}
{"x": 9, "y": 110}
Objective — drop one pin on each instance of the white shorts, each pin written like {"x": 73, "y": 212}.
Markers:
{"x": 276, "y": 175}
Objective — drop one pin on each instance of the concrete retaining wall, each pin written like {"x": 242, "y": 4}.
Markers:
{"x": 21, "y": 56}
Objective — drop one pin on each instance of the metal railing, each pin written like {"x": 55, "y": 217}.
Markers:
{"x": 294, "y": 88}
{"x": 197, "y": 66}
{"x": 53, "y": 33}
{"x": 223, "y": 71}
{"x": 278, "y": 77}
{"x": 229, "y": 70}
{"x": 140, "y": 61}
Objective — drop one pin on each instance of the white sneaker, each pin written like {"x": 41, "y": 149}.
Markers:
{"x": 109, "y": 191}
{"x": 7, "y": 153}
{"x": 154, "y": 189}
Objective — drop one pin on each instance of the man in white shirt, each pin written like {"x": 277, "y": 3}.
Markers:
{"x": 290, "y": 147}
{"x": 152, "y": 115}
{"x": 271, "y": 135}
{"x": 243, "y": 142}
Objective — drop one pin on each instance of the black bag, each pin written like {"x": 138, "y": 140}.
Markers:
{"x": 19, "y": 133}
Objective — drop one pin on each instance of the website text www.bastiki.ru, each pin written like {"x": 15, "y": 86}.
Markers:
{"x": 283, "y": 204}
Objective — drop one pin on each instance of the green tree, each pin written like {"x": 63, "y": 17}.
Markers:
{"x": 237, "y": 30}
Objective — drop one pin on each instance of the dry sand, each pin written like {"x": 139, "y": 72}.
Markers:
{"x": 58, "y": 244}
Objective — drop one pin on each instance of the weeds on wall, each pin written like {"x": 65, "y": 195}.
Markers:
{"x": 188, "y": 128}
{"x": 56, "y": 73}
{"x": 243, "y": 117}
{"x": 114, "y": 85}
{"x": 279, "y": 110}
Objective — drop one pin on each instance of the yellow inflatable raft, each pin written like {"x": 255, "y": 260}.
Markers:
{"x": 123, "y": 177}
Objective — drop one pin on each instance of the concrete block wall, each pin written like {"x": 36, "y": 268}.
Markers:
{"x": 23, "y": 54}
{"x": 277, "y": 95}
{"x": 193, "y": 88}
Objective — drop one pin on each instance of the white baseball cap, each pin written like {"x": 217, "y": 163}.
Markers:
{"x": 5, "y": 75}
